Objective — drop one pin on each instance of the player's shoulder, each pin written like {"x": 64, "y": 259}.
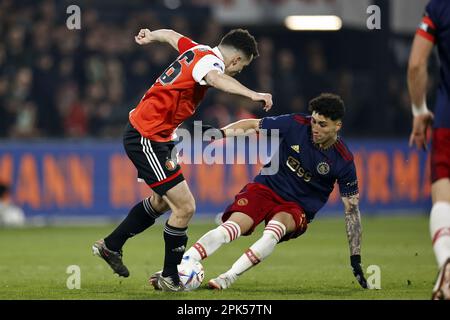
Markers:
{"x": 187, "y": 44}
{"x": 209, "y": 55}
{"x": 438, "y": 9}
{"x": 343, "y": 150}
{"x": 203, "y": 49}
{"x": 301, "y": 119}
{"x": 438, "y": 3}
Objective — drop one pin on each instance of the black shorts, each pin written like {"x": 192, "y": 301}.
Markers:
{"x": 156, "y": 162}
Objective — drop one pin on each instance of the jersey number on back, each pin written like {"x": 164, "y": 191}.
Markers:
{"x": 174, "y": 70}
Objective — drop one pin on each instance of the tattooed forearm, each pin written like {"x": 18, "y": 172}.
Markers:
{"x": 353, "y": 226}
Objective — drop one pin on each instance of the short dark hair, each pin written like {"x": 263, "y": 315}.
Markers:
{"x": 328, "y": 105}
{"x": 242, "y": 40}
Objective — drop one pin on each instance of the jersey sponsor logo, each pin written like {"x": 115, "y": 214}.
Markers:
{"x": 296, "y": 148}
{"x": 170, "y": 164}
{"x": 296, "y": 167}
{"x": 242, "y": 202}
{"x": 353, "y": 183}
{"x": 217, "y": 65}
{"x": 323, "y": 168}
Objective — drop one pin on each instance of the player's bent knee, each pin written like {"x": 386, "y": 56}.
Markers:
{"x": 159, "y": 204}
{"x": 230, "y": 231}
{"x": 275, "y": 229}
{"x": 286, "y": 219}
{"x": 185, "y": 212}
{"x": 189, "y": 208}
{"x": 244, "y": 221}
{"x": 440, "y": 190}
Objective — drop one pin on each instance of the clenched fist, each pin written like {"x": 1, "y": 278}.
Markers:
{"x": 144, "y": 36}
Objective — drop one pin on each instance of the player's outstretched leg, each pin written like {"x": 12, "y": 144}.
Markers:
{"x": 140, "y": 217}
{"x": 213, "y": 240}
{"x": 260, "y": 250}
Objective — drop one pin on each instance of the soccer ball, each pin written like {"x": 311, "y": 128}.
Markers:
{"x": 191, "y": 274}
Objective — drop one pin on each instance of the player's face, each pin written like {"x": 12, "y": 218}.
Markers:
{"x": 237, "y": 63}
{"x": 324, "y": 130}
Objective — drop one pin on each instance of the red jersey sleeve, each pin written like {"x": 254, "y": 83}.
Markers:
{"x": 185, "y": 44}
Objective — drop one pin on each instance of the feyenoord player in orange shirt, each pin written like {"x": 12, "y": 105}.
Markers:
{"x": 148, "y": 140}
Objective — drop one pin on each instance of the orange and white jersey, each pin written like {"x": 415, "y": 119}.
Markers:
{"x": 177, "y": 92}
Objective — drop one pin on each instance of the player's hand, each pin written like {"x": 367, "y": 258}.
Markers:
{"x": 419, "y": 131}
{"x": 355, "y": 262}
{"x": 265, "y": 98}
{"x": 143, "y": 37}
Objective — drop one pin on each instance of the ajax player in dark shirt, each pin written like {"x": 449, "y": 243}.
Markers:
{"x": 434, "y": 29}
{"x": 312, "y": 157}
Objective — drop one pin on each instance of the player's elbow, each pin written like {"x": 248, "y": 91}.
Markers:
{"x": 416, "y": 66}
{"x": 413, "y": 68}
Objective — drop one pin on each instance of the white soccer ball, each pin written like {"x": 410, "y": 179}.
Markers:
{"x": 191, "y": 274}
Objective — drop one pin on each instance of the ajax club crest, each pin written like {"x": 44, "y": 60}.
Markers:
{"x": 242, "y": 202}
{"x": 323, "y": 168}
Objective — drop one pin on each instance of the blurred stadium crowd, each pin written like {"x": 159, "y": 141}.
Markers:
{"x": 61, "y": 83}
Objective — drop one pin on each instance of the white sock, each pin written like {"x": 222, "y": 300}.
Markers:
{"x": 212, "y": 240}
{"x": 440, "y": 231}
{"x": 260, "y": 250}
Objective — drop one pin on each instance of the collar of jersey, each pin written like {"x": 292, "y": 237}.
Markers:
{"x": 217, "y": 53}
{"x": 327, "y": 148}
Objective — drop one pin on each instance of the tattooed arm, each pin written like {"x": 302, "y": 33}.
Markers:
{"x": 353, "y": 223}
{"x": 354, "y": 233}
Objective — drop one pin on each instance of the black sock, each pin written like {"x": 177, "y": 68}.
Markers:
{"x": 175, "y": 240}
{"x": 140, "y": 217}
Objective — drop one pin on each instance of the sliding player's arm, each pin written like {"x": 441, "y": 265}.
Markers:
{"x": 417, "y": 82}
{"x": 228, "y": 84}
{"x": 243, "y": 127}
{"x": 354, "y": 234}
{"x": 145, "y": 36}
{"x": 278, "y": 125}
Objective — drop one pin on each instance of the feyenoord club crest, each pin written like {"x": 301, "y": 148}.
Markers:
{"x": 170, "y": 165}
{"x": 323, "y": 168}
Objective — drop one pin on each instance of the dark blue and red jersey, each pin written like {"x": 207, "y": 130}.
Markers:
{"x": 435, "y": 26}
{"x": 306, "y": 174}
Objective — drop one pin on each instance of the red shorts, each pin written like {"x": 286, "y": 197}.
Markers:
{"x": 440, "y": 154}
{"x": 260, "y": 203}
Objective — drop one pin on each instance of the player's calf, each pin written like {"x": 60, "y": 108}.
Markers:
{"x": 175, "y": 240}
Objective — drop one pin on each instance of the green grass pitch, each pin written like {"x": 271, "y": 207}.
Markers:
{"x": 34, "y": 261}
